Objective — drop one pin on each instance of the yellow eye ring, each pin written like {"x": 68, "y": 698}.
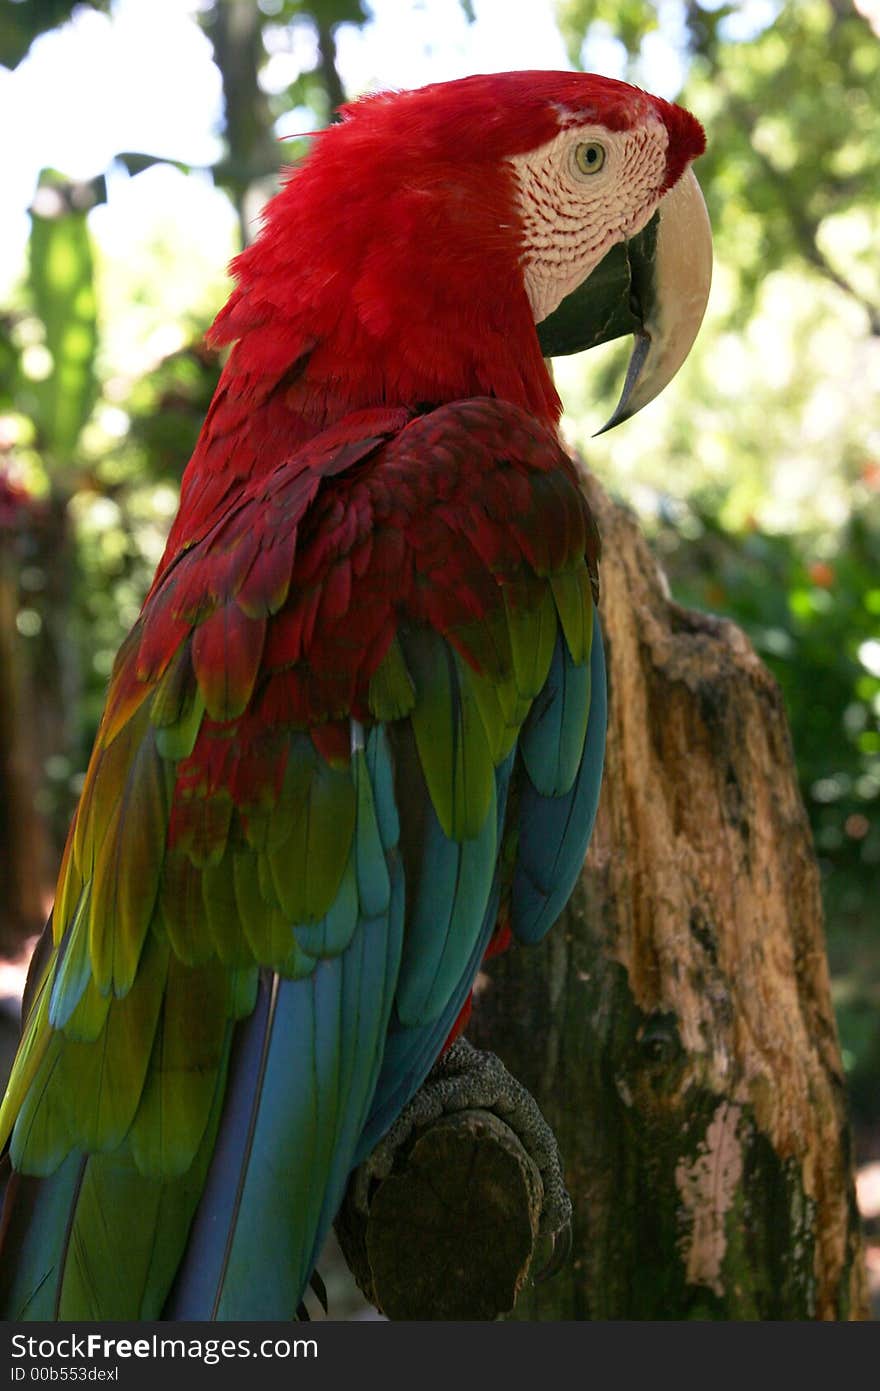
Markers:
{"x": 589, "y": 157}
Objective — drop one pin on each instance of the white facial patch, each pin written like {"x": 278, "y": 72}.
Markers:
{"x": 571, "y": 218}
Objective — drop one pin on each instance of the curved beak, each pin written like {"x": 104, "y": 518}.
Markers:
{"x": 655, "y": 286}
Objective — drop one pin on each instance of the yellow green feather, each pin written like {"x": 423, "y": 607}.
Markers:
{"x": 531, "y": 617}
{"x": 106, "y": 1077}
{"x": 128, "y": 864}
{"x": 221, "y": 912}
{"x": 191, "y": 1039}
{"x": 571, "y": 591}
{"x": 308, "y": 864}
{"x": 391, "y": 694}
{"x": 451, "y": 737}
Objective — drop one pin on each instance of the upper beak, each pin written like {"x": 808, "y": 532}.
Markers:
{"x": 655, "y": 286}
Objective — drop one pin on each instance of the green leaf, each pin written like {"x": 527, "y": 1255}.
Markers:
{"x": 61, "y": 277}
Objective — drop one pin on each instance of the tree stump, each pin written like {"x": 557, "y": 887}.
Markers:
{"x": 676, "y": 1025}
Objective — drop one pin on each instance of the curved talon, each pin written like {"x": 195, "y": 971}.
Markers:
{"x": 559, "y": 1254}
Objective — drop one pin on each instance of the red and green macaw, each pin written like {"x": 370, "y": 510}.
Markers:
{"x": 354, "y": 740}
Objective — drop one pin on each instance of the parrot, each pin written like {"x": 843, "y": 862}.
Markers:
{"x": 353, "y": 743}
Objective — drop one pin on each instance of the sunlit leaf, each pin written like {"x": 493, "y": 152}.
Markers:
{"x": 61, "y": 276}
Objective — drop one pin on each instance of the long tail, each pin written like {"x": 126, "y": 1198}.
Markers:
{"x": 287, "y": 1138}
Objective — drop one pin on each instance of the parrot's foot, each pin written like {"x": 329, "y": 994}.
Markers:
{"x": 468, "y": 1079}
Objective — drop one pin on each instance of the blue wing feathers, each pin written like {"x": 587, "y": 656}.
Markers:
{"x": 39, "y": 1219}
{"x": 411, "y": 1050}
{"x": 554, "y": 831}
{"x": 381, "y": 768}
{"x": 552, "y": 739}
{"x": 302, "y": 1077}
{"x": 374, "y": 886}
{"x": 198, "y": 1278}
{"x": 333, "y": 933}
{"x": 449, "y": 899}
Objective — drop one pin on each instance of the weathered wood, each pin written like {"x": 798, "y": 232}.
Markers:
{"x": 676, "y": 1026}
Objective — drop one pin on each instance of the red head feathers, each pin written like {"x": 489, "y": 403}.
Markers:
{"x": 391, "y": 268}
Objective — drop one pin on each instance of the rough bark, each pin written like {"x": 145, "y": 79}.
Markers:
{"x": 676, "y": 1026}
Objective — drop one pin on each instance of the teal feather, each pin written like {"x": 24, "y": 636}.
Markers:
{"x": 39, "y": 1219}
{"x": 381, "y": 766}
{"x": 301, "y": 1117}
{"x": 553, "y": 831}
{"x": 552, "y": 739}
{"x": 74, "y": 970}
{"x": 446, "y": 904}
{"x": 368, "y": 993}
{"x": 333, "y": 933}
{"x": 374, "y": 886}
{"x": 410, "y": 1050}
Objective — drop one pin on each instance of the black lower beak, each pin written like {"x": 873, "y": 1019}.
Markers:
{"x": 654, "y": 286}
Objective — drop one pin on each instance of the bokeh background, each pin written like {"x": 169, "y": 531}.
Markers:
{"x": 139, "y": 141}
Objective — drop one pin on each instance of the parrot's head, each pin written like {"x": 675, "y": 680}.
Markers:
{"x": 443, "y": 242}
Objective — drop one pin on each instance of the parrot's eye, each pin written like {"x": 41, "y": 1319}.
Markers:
{"x": 589, "y": 157}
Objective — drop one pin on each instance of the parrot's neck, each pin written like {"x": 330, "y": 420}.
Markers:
{"x": 293, "y": 374}
{"x": 364, "y": 292}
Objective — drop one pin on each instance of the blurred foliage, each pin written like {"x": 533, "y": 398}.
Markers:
{"x": 758, "y": 472}
{"x": 22, "y": 21}
{"x": 244, "y": 34}
{"x": 60, "y": 395}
